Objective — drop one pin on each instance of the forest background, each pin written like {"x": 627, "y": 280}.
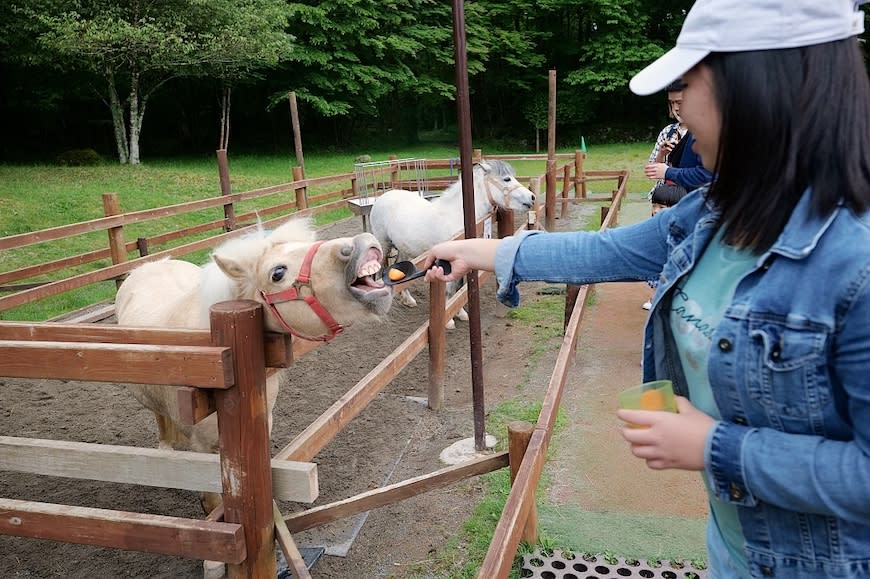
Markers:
{"x": 81, "y": 74}
{"x": 134, "y": 79}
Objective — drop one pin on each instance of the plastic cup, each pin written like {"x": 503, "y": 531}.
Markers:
{"x": 657, "y": 395}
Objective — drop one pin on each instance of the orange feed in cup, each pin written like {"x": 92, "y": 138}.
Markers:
{"x": 396, "y": 275}
{"x": 652, "y": 400}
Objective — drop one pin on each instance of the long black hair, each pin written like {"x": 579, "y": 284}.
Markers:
{"x": 791, "y": 119}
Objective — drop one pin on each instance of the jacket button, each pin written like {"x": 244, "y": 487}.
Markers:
{"x": 740, "y": 420}
{"x": 735, "y": 492}
{"x": 725, "y": 345}
{"x": 767, "y": 571}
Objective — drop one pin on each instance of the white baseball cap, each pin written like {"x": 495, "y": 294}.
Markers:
{"x": 746, "y": 25}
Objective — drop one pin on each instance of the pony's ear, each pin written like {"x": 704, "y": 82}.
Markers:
{"x": 231, "y": 267}
{"x": 485, "y": 166}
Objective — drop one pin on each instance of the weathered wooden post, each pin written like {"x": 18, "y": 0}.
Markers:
{"x": 519, "y": 435}
{"x": 437, "y": 343}
{"x": 566, "y": 176}
{"x": 297, "y": 132}
{"x": 301, "y": 192}
{"x": 226, "y": 189}
{"x": 550, "y": 204}
{"x": 579, "y": 175}
{"x": 112, "y": 206}
{"x": 246, "y": 472}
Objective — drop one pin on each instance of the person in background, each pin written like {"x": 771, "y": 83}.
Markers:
{"x": 762, "y": 315}
{"x": 672, "y": 159}
{"x": 663, "y": 196}
{"x": 671, "y": 134}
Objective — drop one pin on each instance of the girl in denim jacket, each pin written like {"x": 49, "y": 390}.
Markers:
{"x": 762, "y": 314}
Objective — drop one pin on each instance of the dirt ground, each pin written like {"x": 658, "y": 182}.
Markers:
{"x": 394, "y": 438}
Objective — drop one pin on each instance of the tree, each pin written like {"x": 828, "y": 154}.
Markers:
{"x": 141, "y": 45}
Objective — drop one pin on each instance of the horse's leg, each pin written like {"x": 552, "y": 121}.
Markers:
{"x": 405, "y": 297}
{"x": 452, "y": 288}
{"x": 168, "y": 435}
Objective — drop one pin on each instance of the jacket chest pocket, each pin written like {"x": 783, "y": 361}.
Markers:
{"x": 787, "y": 376}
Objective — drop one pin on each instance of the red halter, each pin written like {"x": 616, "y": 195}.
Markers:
{"x": 293, "y": 293}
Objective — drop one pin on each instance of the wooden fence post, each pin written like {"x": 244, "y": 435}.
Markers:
{"x": 519, "y": 435}
{"x": 535, "y": 213}
{"x": 437, "y": 343}
{"x": 112, "y": 206}
{"x": 550, "y": 200}
{"x": 504, "y": 219}
{"x": 297, "y": 132}
{"x": 246, "y": 472}
{"x": 226, "y": 189}
{"x": 579, "y": 175}
{"x": 566, "y": 176}
{"x": 301, "y": 192}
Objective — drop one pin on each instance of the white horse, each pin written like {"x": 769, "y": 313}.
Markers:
{"x": 412, "y": 225}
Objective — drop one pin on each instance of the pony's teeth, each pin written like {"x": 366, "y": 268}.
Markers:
{"x": 370, "y": 268}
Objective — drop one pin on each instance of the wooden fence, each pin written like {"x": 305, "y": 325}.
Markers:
{"x": 217, "y": 361}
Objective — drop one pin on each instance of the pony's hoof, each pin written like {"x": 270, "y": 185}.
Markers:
{"x": 407, "y": 300}
{"x": 462, "y": 315}
{"x": 450, "y": 324}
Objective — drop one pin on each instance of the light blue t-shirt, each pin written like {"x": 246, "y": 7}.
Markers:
{"x": 696, "y": 309}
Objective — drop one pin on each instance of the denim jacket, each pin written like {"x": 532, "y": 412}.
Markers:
{"x": 789, "y": 368}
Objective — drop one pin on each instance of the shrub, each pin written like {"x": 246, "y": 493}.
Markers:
{"x": 79, "y": 158}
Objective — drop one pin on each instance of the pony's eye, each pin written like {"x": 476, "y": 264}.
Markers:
{"x": 507, "y": 179}
{"x": 278, "y": 273}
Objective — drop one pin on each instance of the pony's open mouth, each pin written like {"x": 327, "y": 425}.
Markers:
{"x": 367, "y": 278}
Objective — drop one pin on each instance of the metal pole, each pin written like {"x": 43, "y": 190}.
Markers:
{"x": 463, "y": 109}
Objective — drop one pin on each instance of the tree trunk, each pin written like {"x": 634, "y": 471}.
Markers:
{"x": 135, "y": 118}
{"x": 117, "y": 118}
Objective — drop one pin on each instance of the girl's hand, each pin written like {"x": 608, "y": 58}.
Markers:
{"x": 450, "y": 251}
{"x": 668, "y": 440}
{"x": 463, "y": 255}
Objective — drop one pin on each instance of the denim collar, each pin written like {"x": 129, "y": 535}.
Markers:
{"x": 803, "y": 230}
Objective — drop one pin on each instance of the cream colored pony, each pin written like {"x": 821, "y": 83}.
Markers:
{"x": 269, "y": 268}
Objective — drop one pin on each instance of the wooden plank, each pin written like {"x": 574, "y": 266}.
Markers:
{"x": 506, "y": 537}
{"x": 122, "y": 530}
{"x": 294, "y": 558}
{"x": 396, "y": 492}
{"x": 87, "y": 315}
{"x": 194, "y": 471}
{"x": 203, "y": 366}
{"x": 318, "y": 434}
{"x": 50, "y": 266}
{"x": 278, "y": 347}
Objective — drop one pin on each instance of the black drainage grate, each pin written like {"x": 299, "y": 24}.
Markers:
{"x": 560, "y": 565}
